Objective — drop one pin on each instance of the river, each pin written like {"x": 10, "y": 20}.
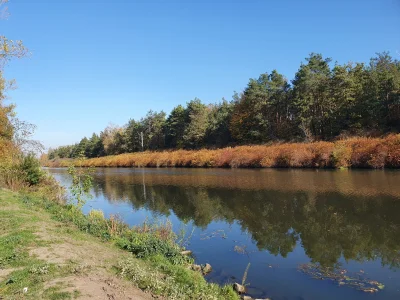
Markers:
{"x": 271, "y": 221}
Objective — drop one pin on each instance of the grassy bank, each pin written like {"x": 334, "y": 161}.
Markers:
{"x": 348, "y": 153}
{"x": 53, "y": 251}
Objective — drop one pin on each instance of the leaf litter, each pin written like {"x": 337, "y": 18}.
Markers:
{"x": 342, "y": 277}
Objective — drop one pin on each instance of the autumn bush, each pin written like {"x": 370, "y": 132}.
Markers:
{"x": 352, "y": 152}
{"x": 393, "y": 155}
{"x": 368, "y": 153}
{"x": 322, "y": 154}
{"x": 247, "y": 157}
{"x": 341, "y": 155}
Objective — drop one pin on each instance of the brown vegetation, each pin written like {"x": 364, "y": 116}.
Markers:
{"x": 354, "y": 152}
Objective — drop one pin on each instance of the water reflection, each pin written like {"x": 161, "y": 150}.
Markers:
{"x": 281, "y": 217}
{"x": 357, "y": 218}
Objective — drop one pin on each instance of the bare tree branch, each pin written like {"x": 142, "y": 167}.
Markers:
{"x": 3, "y": 9}
{"x": 23, "y": 132}
{"x": 10, "y": 49}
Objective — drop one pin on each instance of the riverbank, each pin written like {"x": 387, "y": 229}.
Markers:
{"x": 54, "y": 251}
{"x": 348, "y": 153}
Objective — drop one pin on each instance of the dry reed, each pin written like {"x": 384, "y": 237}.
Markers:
{"x": 355, "y": 152}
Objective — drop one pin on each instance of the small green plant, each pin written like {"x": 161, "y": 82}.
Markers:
{"x": 96, "y": 214}
{"x": 39, "y": 269}
{"x": 183, "y": 240}
{"x": 82, "y": 181}
{"x": 30, "y": 166}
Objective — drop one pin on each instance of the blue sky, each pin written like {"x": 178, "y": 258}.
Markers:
{"x": 96, "y": 62}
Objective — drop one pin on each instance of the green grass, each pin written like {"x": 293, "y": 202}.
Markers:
{"x": 17, "y": 228}
{"x": 155, "y": 265}
{"x": 56, "y": 293}
{"x": 159, "y": 276}
{"x": 16, "y": 238}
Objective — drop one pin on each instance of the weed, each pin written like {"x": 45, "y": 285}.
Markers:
{"x": 39, "y": 269}
{"x": 55, "y": 293}
{"x": 244, "y": 278}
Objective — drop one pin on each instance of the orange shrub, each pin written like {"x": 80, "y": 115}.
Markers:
{"x": 224, "y": 157}
{"x": 247, "y": 157}
{"x": 393, "y": 156}
{"x": 270, "y": 158}
{"x": 294, "y": 155}
{"x": 353, "y": 152}
{"x": 368, "y": 153}
{"x": 322, "y": 154}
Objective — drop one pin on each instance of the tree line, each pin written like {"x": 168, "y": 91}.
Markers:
{"x": 322, "y": 102}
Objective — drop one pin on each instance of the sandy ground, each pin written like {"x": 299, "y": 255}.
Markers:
{"x": 93, "y": 277}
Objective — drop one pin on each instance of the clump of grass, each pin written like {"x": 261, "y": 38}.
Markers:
{"x": 56, "y": 293}
{"x": 153, "y": 239}
{"x": 175, "y": 282}
{"x": 13, "y": 249}
{"x": 39, "y": 269}
{"x": 245, "y": 275}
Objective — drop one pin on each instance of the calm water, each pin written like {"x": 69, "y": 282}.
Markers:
{"x": 273, "y": 219}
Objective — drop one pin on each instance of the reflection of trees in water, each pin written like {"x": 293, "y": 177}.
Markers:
{"x": 356, "y": 182}
{"x": 329, "y": 225}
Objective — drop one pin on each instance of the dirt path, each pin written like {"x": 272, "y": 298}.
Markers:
{"x": 92, "y": 263}
{"x": 82, "y": 265}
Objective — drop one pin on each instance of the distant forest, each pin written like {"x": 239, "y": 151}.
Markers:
{"x": 323, "y": 102}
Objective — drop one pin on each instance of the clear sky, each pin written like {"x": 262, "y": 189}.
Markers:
{"x": 96, "y": 62}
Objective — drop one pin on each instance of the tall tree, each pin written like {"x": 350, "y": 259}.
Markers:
{"x": 153, "y": 130}
{"x": 196, "y": 117}
{"x": 312, "y": 98}
{"x": 218, "y": 132}
{"x": 114, "y": 140}
{"x": 95, "y": 146}
{"x": 264, "y": 111}
{"x": 346, "y": 86}
{"x": 134, "y": 133}
{"x": 385, "y": 82}
{"x": 175, "y": 128}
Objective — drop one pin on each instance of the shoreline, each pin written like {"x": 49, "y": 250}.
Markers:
{"x": 354, "y": 153}
{"x": 66, "y": 248}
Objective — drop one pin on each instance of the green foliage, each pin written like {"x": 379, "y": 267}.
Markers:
{"x": 218, "y": 132}
{"x": 311, "y": 96}
{"x": 322, "y": 102}
{"x": 144, "y": 245}
{"x": 153, "y": 130}
{"x": 161, "y": 269}
{"x": 12, "y": 253}
{"x": 196, "y": 115}
{"x": 174, "y": 282}
{"x": 54, "y": 293}
{"x": 143, "y": 241}
{"x": 81, "y": 183}
{"x": 30, "y": 165}
{"x": 264, "y": 111}
{"x": 175, "y": 127}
